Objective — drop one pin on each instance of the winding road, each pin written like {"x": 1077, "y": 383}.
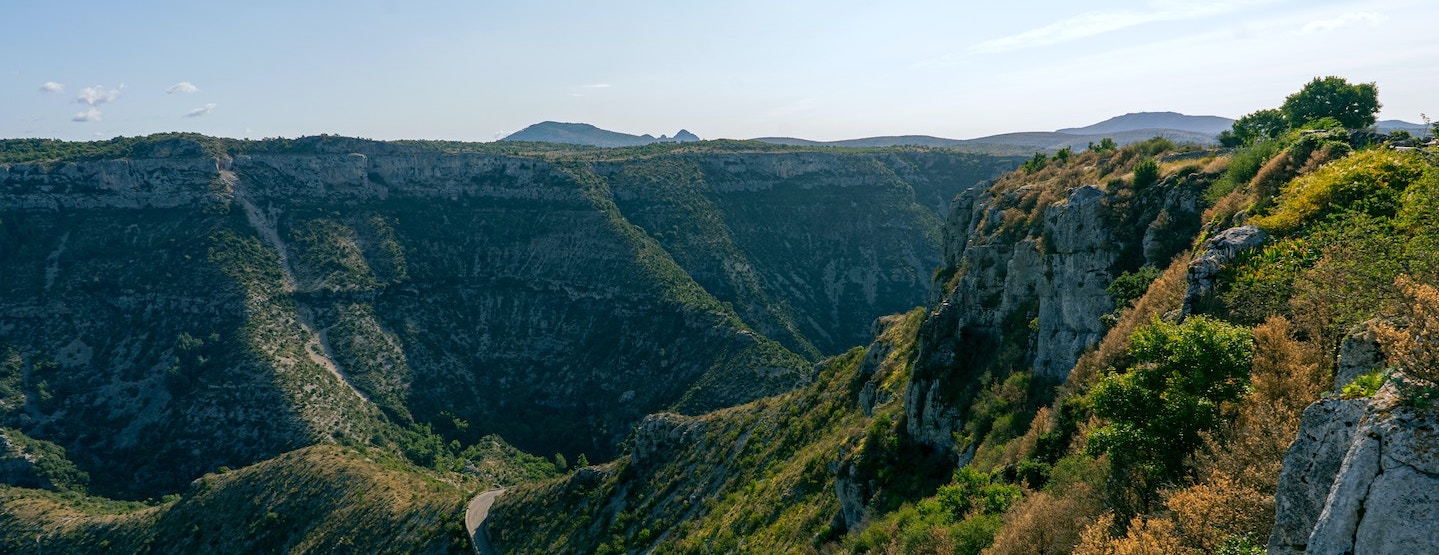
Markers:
{"x": 475, "y": 514}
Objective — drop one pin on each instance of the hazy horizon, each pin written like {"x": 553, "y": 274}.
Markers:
{"x": 814, "y": 70}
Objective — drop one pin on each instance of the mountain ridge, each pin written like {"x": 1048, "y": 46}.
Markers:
{"x": 590, "y": 135}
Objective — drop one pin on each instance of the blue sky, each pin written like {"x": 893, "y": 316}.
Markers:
{"x": 477, "y": 70}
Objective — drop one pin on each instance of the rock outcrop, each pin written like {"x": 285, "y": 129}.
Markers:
{"x": 1359, "y": 354}
{"x": 1032, "y": 298}
{"x": 659, "y": 436}
{"x": 1218, "y": 251}
{"x": 1362, "y": 478}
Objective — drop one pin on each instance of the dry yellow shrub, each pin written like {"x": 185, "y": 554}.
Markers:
{"x": 1221, "y": 507}
{"x": 1415, "y": 349}
{"x": 1286, "y": 374}
{"x": 1154, "y": 536}
{"x": 1046, "y": 523}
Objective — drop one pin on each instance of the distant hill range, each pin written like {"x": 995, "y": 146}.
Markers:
{"x": 1389, "y": 125}
{"x": 1207, "y": 125}
{"x": 1124, "y": 130}
{"x": 586, "y": 134}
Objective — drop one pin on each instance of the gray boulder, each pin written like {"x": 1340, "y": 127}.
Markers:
{"x": 1218, "y": 251}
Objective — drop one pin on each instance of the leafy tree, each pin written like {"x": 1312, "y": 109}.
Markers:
{"x": 1353, "y": 105}
{"x": 1035, "y": 163}
{"x": 1063, "y": 155}
{"x": 1105, "y": 145}
{"x": 1262, "y": 124}
{"x": 1158, "y": 410}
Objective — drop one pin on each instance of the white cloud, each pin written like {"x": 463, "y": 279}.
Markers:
{"x": 1343, "y": 20}
{"x": 98, "y": 95}
{"x": 182, "y": 87}
{"x": 88, "y": 115}
{"x": 197, "y": 112}
{"x": 1097, "y": 23}
{"x": 598, "y": 86}
{"x": 52, "y": 87}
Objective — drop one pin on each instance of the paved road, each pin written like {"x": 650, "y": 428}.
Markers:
{"x": 475, "y": 514}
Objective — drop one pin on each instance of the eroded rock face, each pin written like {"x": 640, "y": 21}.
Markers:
{"x": 1218, "y": 251}
{"x": 1034, "y": 297}
{"x": 1310, "y": 466}
{"x": 1383, "y": 497}
{"x": 660, "y": 435}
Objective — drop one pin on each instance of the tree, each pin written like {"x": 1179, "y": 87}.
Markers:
{"x": 1158, "y": 410}
{"x": 1262, "y": 124}
{"x": 1035, "y": 163}
{"x": 1353, "y": 105}
{"x": 1105, "y": 145}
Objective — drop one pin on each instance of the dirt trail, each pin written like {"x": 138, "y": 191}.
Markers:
{"x": 317, "y": 346}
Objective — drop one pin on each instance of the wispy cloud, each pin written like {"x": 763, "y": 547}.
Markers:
{"x": 88, "y": 115}
{"x": 1343, "y": 20}
{"x": 98, "y": 95}
{"x": 1098, "y": 23}
{"x": 597, "y": 86}
{"x": 185, "y": 87}
{"x": 197, "y": 112}
{"x": 52, "y": 87}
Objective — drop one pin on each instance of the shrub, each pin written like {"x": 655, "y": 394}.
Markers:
{"x": 1415, "y": 349}
{"x": 1146, "y": 173}
{"x": 1365, "y": 385}
{"x": 1370, "y": 182}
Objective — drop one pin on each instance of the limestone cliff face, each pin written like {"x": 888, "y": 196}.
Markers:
{"x": 1363, "y": 477}
{"x": 1030, "y": 298}
{"x": 230, "y": 306}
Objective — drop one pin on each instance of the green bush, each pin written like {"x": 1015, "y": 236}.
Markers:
{"x": 1158, "y": 411}
{"x": 1365, "y": 385}
{"x": 1146, "y": 173}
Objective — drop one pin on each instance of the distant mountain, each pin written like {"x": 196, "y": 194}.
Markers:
{"x": 1388, "y": 125}
{"x": 586, "y": 134}
{"x": 1207, "y": 125}
{"x": 1009, "y": 143}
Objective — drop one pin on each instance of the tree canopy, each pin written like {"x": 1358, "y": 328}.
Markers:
{"x": 1353, "y": 105}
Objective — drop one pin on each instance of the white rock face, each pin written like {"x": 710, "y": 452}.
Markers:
{"x": 1048, "y": 283}
{"x": 1384, "y": 496}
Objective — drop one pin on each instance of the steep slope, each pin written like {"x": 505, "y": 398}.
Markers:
{"x": 232, "y": 300}
{"x": 825, "y": 467}
{"x": 757, "y": 477}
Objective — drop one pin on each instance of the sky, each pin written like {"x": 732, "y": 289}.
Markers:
{"x": 477, "y": 70}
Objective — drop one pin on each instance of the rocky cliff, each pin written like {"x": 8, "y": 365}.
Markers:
{"x": 1363, "y": 475}
{"x": 1026, "y": 267}
{"x": 228, "y": 301}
